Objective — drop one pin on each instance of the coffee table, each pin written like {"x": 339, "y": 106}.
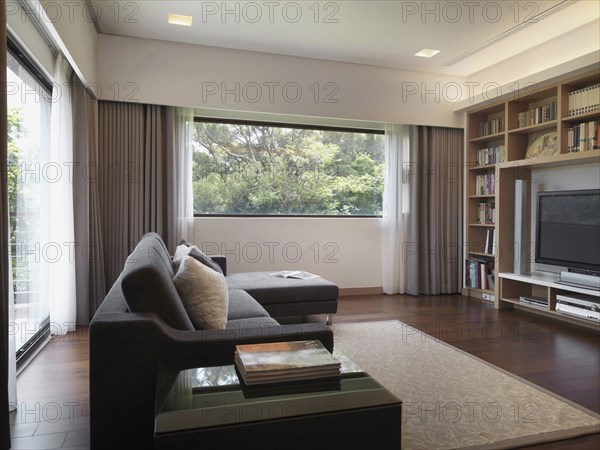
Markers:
{"x": 206, "y": 408}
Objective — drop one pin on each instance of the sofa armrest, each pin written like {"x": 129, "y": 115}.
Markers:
{"x": 187, "y": 349}
{"x": 221, "y": 261}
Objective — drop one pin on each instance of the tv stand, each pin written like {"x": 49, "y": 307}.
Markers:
{"x": 544, "y": 286}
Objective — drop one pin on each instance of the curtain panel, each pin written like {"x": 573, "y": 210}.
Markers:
{"x": 435, "y": 178}
{"x": 91, "y": 282}
{"x": 422, "y": 210}
{"x": 134, "y": 179}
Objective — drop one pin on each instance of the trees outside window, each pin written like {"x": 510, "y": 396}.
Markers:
{"x": 257, "y": 169}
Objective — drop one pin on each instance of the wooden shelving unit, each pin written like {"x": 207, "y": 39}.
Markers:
{"x": 521, "y": 126}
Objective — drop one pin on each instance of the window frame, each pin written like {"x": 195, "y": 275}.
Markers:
{"x": 41, "y": 336}
{"x": 199, "y": 119}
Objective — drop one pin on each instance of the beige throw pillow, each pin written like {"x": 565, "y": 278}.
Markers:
{"x": 204, "y": 294}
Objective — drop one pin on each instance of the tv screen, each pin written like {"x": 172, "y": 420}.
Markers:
{"x": 568, "y": 229}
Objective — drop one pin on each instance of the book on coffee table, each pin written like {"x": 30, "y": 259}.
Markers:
{"x": 281, "y": 362}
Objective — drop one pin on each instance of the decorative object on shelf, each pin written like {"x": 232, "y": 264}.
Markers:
{"x": 542, "y": 143}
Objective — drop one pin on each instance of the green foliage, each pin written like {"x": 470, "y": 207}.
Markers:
{"x": 15, "y": 130}
{"x": 247, "y": 169}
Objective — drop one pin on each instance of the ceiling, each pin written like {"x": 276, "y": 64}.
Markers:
{"x": 471, "y": 36}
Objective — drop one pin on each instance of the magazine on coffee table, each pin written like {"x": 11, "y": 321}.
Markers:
{"x": 295, "y": 274}
{"x": 285, "y": 362}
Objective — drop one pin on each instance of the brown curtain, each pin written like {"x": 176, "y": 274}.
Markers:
{"x": 435, "y": 226}
{"x": 4, "y": 419}
{"x": 91, "y": 282}
{"x": 134, "y": 151}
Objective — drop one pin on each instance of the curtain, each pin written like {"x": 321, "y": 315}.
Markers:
{"x": 434, "y": 263}
{"x": 4, "y": 240}
{"x": 91, "y": 286}
{"x": 133, "y": 178}
{"x": 422, "y": 210}
{"x": 181, "y": 190}
{"x": 59, "y": 235}
{"x": 395, "y": 207}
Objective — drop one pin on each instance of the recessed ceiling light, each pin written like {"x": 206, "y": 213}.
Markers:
{"x": 427, "y": 53}
{"x": 178, "y": 19}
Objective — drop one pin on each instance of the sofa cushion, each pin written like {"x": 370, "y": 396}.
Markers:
{"x": 267, "y": 289}
{"x": 241, "y": 325}
{"x": 204, "y": 294}
{"x": 198, "y": 254}
{"x": 243, "y": 306}
{"x": 147, "y": 287}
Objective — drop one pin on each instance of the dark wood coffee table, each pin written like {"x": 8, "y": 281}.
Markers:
{"x": 206, "y": 408}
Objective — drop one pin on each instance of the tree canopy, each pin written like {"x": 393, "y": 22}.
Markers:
{"x": 256, "y": 169}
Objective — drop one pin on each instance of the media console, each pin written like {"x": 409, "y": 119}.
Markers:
{"x": 573, "y": 304}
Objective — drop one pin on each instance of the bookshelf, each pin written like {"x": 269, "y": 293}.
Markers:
{"x": 525, "y": 127}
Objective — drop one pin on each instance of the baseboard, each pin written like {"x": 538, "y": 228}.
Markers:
{"x": 350, "y": 292}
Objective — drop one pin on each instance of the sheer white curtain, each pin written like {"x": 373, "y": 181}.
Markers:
{"x": 395, "y": 208}
{"x": 184, "y": 194}
{"x": 59, "y": 248}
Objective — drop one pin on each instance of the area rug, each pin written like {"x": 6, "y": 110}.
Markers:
{"x": 454, "y": 400}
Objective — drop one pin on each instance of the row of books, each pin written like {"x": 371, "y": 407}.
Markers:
{"x": 491, "y": 155}
{"x": 491, "y": 126}
{"x": 541, "y": 114}
{"x": 485, "y": 184}
{"x": 479, "y": 274}
{"x": 486, "y": 213}
{"x": 584, "y": 100}
{"x": 280, "y": 368}
{"x": 584, "y": 136}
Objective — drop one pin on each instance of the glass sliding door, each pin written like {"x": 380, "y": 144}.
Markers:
{"x": 29, "y": 106}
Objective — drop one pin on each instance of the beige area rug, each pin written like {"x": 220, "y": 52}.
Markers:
{"x": 455, "y": 400}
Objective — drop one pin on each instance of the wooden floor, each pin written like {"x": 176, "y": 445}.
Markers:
{"x": 53, "y": 394}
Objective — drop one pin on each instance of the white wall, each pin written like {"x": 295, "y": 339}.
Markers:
{"x": 346, "y": 251}
{"x": 167, "y": 73}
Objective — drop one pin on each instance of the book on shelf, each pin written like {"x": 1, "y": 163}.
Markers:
{"x": 485, "y": 184}
{"x": 492, "y": 126}
{"x": 491, "y": 155}
{"x": 486, "y": 213}
{"x": 585, "y": 100}
{"x": 479, "y": 273}
{"x": 490, "y": 242}
{"x": 584, "y": 136}
{"x": 296, "y": 274}
{"x": 285, "y": 362}
{"x": 535, "y": 116}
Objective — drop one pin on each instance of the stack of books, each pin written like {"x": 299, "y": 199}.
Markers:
{"x": 282, "y": 368}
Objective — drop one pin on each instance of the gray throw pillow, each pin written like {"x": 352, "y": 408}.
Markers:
{"x": 196, "y": 253}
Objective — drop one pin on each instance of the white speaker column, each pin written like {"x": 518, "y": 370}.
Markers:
{"x": 521, "y": 225}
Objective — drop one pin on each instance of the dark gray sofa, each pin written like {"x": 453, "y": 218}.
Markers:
{"x": 134, "y": 355}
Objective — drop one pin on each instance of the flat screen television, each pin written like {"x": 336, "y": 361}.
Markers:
{"x": 568, "y": 229}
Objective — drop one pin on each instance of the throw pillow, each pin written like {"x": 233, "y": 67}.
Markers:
{"x": 204, "y": 294}
{"x": 193, "y": 251}
{"x": 180, "y": 252}
{"x": 199, "y": 255}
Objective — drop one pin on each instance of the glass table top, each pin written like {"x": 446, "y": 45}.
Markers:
{"x": 212, "y": 396}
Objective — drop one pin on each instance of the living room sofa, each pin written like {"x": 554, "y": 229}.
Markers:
{"x": 141, "y": 336}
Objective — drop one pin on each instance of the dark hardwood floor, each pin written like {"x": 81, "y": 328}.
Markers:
{"x": 565, "y": 359}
